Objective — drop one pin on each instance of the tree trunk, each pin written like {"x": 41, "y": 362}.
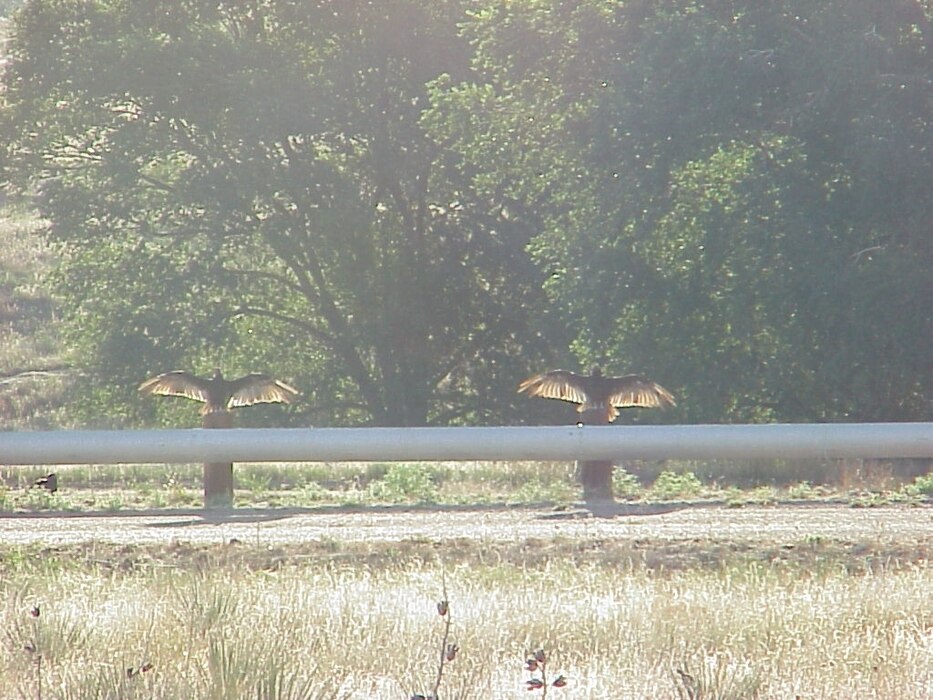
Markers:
{"x": 218, "y": 476}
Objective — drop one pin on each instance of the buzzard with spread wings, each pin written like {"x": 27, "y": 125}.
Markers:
{"x": 597, "y": 393}
{"x": 219, "y": 394}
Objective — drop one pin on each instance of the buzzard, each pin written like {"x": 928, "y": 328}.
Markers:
{"x": 594, "y": 392}
{"x": 217, "y": 393}
{"x": 49, "y": 482}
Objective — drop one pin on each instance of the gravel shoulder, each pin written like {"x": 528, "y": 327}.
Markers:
{"x": 751, "y": 526}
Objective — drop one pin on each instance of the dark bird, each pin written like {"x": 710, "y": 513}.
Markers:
{"x": 595, "y": 392}
{"x": 49, "y": 482}
{"x": 217, "y": 393}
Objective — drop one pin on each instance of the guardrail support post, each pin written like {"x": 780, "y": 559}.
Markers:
{"x": 595, "y": 476}
{"x": 218, "y": 476}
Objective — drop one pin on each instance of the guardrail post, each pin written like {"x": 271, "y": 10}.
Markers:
{"x": 595, "y": 475}
{"x": 218, "y": 476}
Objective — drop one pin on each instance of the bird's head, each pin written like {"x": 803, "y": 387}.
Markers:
{"x": 217, "y": 376}
{"x": 596, "y": 371}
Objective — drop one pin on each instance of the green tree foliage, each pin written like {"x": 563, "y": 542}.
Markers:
{"x": 742, "y": 207}
{"x": 247, "y": 184}
{"x": 404, "y": 207}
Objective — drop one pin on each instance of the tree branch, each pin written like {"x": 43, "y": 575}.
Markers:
{"x": 12, "y": 375}
{"x": 308, "y": 328}
{"x": 272, "y": 276}
{"x": 148, "y": 179}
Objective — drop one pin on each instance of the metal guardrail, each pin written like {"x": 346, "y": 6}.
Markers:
{"x": 802, "y": 440}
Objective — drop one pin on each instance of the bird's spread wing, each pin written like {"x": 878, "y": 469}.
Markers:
{"x": 177, "y": 383}
{"x": 557, "y": 384}
{"x": 635, "y": 390}
{"x": 259, "y": 388}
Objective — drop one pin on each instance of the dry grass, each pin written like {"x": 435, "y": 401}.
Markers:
{"x": 368, "y": 627}
{"x": 143, "y": 486}
{"x": 146, "y": 486}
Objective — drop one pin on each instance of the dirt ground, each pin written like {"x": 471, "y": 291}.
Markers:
{"x": 752, "y": 526}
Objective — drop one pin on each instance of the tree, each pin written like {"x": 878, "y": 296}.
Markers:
{"x": 249, "y": 184}
{"x": 731, "y": 197}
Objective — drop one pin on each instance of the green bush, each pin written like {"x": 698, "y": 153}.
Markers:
{"x": 673, "y": 485}
{"x": 625, "y": 484}
{"x": 922, "y": 486}
{"x": 406, "y": 482}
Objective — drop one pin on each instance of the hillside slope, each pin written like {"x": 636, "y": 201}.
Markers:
{"x": 33, "y": 369}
